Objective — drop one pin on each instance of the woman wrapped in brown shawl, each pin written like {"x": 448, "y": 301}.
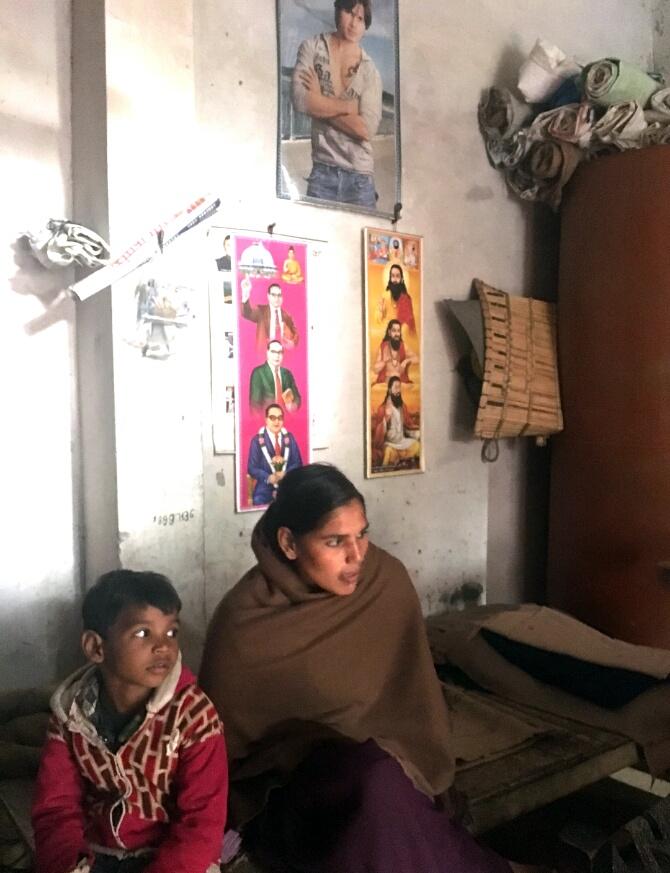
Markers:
{"x": 336, "y": 727}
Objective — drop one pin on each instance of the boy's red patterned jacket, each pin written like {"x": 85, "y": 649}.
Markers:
{"x": 164, "y": 789}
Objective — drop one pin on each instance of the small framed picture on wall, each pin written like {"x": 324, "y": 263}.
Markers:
{"x": 338, "y": 138}
{"x": 393, "y": 264}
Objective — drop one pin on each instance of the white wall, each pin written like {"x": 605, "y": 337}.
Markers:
{"x": 38, "y": 522}
{"x": 190, "y": 106}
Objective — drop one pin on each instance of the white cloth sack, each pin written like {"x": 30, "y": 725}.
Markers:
{"x": 544, "y": 71}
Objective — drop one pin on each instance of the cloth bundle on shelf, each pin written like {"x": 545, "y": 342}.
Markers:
{"x": 544, "y": 170}
{"x": 544, "y": 71}
{"x": 621, "y": 125}
{"x": 577, "y": 114}
{"x": 612, "y": 81}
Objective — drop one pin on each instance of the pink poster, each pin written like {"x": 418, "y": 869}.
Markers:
{"x": 272, "y": 375}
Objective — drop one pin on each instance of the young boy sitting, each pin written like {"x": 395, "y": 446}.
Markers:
{"x": 134, "y": 774}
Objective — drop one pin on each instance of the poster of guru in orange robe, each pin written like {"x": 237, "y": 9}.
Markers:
{"x": 393, "y": 285}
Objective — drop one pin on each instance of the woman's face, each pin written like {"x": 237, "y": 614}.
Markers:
{"x": 331, "y": 556}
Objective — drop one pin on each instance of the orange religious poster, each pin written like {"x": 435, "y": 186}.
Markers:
{"x": 393, "y": 265}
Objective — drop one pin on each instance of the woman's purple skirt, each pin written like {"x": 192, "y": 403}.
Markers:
{"x": 351, "y": 809}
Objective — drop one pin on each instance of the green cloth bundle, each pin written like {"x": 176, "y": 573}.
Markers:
{"x": 611, "y": 80}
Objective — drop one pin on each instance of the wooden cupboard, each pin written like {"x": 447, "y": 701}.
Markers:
{"x": 609, "y": 515}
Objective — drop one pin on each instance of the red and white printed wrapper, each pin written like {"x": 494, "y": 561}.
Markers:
{"x": 147, "y": 246}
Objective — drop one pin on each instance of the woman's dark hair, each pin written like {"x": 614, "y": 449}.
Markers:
{"x": 119, "y": 589}
{"x": 349, "y": 5}
{"x": 304, "y": 498}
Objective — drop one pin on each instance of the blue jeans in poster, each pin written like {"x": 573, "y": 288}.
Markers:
{"x": 327, "y": 182}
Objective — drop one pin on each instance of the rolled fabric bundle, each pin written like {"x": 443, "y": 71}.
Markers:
{"x": 507, "y": 153}
{"x": 552, "y": 165}
{"x": 516, "y": 149}
{"x": 656, "y": 134}
{"x": 522, "y": 183}
{"x": 656, "y": 119}
{"x": 621, "y": 125}
{"x": 501, "y": 114}
{"x": 572, "y": 123}
{"x": 539, "y": 128}
{"x": 660, "y": 101}
{"x": 611, "y": 80}
{"x": 496, "y": 149}
{"x": 544, "y": 71}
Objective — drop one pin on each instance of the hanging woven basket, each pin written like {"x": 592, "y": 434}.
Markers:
{"x": 520, "y": 391}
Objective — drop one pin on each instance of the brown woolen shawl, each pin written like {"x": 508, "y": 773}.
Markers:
{"x": 289, "y": 666}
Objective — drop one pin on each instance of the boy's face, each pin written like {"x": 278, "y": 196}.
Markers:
{"x": 139, "y": 650}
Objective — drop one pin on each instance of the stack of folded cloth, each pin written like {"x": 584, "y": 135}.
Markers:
{"x": 569, "y": 114}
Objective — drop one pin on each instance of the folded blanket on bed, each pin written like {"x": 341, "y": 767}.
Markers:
{"x": 460, "y": 638}
{"x": 482, "y": 730}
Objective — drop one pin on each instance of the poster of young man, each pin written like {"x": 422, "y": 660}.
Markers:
{"x": 339, "y": 125}
{"x": 272, "y": 388}
{"x": 393, "y": 286}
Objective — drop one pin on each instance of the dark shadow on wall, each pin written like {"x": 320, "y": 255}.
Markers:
{"x": 543, "y": 234}
{"x": 463, "y": 410}
{"x": 63, "y": 635}
{"x": 541, "y": 280}
{"x": 528, "y": 486}
{"x": 518, "y": 506}
{"x": 535, "y": 523}
{"x": 507, "y": 71}
{"x": 40, "y": 638}
{"x": 541, "y": 271}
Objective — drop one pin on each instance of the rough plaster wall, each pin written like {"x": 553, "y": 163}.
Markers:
{"x": 150, "y": 148}
{"x": 661, "y": 13}
{"x": 435, "y": 522}
{"x": 38, "y": 580}
{"x": 461, "y": 521}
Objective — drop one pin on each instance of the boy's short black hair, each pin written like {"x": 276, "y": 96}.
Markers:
{"x": 115, "y": 591}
